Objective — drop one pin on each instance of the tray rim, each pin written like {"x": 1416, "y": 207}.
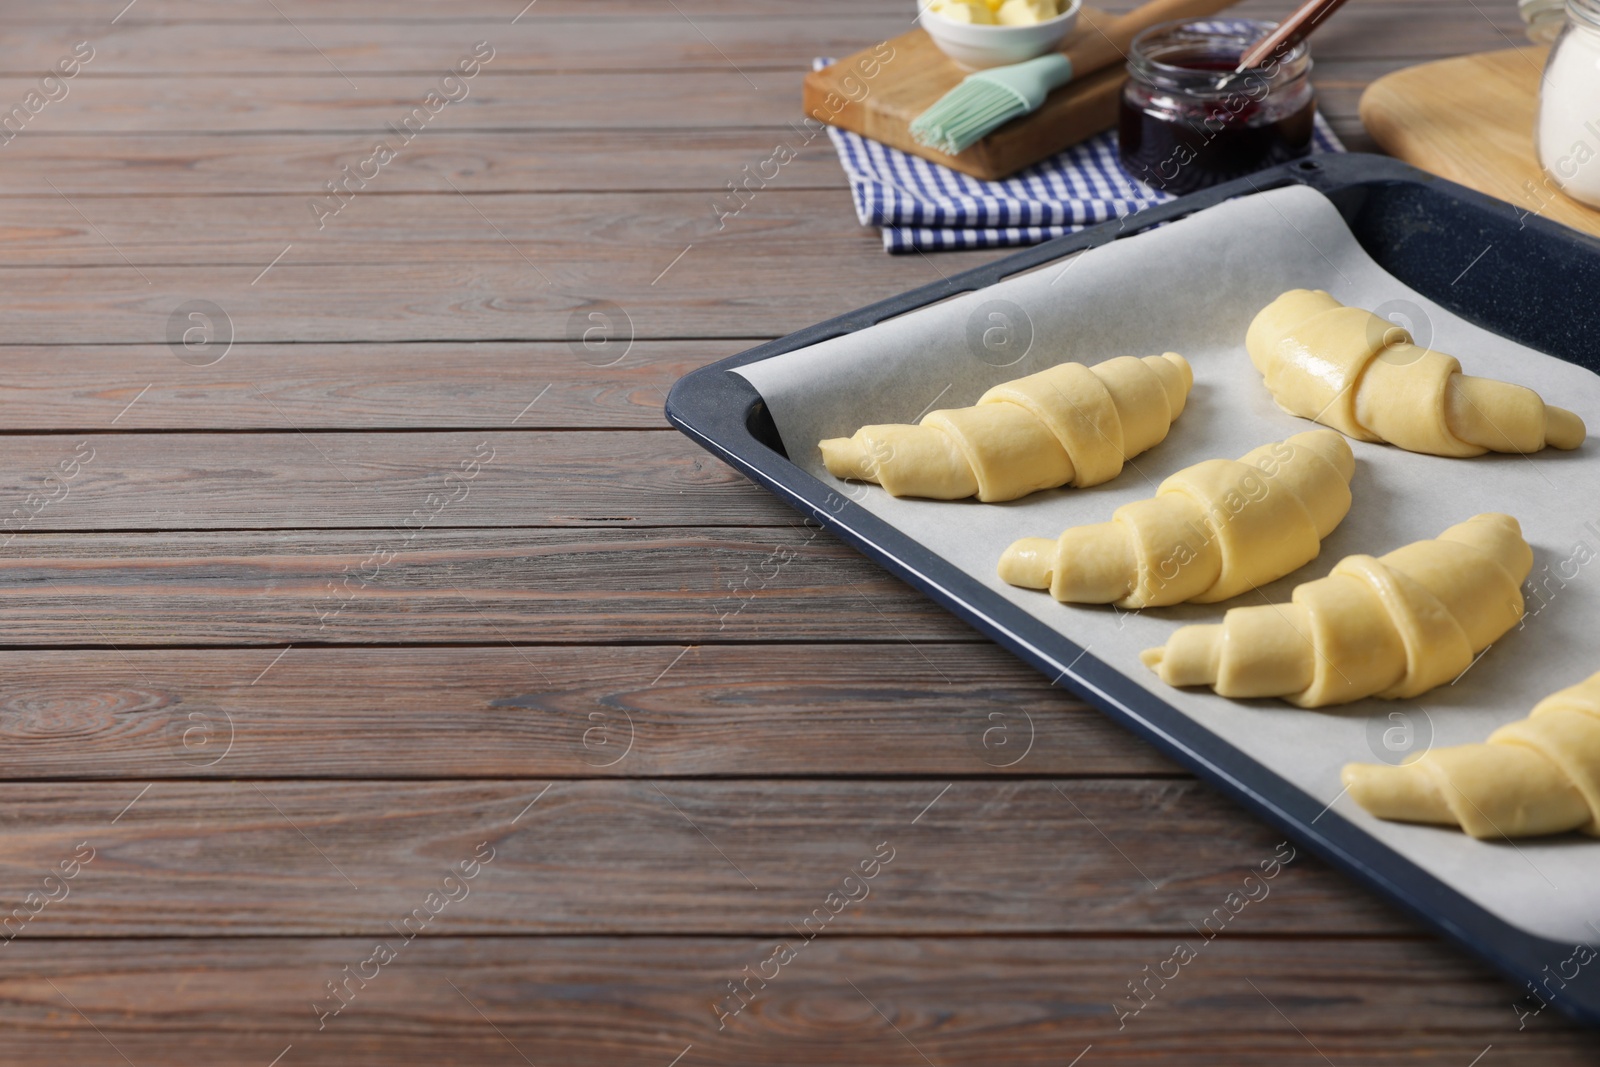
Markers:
{"x": 714, "y": 407}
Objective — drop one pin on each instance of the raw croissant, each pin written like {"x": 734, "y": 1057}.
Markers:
{"x": 1070, "y": 424}
{"x": 1347, "y": 368}
{"x": 1392, "y": 627}
{"x": 1540, "y": 775}
{"x": 1211, "y": 532}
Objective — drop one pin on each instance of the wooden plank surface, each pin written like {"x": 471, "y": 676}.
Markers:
{"x": 697, "y": 856}
{"x": 478, "y": 587}
{"x": 559, "y": 234}
{"x": 228, "y": 666}
{"x": 603, "y": 384}
{"x": 730, "y": 286}
{"x": 540, "y": 160}
{"x": 341, "y": 52}
{"x": 453, "y": 12}
{"x": 408, "y": 481}
{"x": 256, "y": 102}
{"x": 842, "y": 1000}
{"x": 502, "y": 712}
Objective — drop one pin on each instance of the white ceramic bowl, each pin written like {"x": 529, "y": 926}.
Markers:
{"x": 977, "y": 46}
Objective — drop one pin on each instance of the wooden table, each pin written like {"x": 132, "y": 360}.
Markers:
{"x": 360, "y": 597}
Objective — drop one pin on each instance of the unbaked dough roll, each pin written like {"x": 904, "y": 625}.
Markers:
{"x": 1392, "y": 627}
{"x": 1539, "y": 775}
{"x": 1212, "y": 531}
{"x": 1347, "y": 368}
{"x": 1069, "y": 425}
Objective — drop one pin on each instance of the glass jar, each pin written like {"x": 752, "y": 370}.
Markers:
{"x": 1567, "y": 134}
{"x": 1542, "y": 20}
{"x": 1186, "y": 123}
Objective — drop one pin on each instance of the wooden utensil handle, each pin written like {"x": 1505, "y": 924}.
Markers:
{"x": 1104, "y": 43}
{"x": 1290, "y": 32}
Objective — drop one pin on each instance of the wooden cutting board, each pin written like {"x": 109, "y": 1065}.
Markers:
{"x": 1470, "y": 119}
{"x": 879, "y": 90}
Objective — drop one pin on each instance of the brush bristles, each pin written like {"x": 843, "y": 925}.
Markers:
{"x": 967, "y": 114}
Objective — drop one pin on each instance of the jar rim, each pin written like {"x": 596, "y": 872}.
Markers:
{"x": 1586, "y": 12}
{"x": 1237, "y": 34}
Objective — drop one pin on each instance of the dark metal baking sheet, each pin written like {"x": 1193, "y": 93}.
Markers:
{"x": 1542, "y": 293}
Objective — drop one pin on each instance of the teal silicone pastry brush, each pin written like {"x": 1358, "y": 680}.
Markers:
{"x": 987, "y": 100}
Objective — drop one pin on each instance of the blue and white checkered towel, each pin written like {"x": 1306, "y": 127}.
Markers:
{"x": 925, "y": 207}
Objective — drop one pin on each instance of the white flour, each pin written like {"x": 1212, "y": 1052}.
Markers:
{"x": 1569, "y": 110}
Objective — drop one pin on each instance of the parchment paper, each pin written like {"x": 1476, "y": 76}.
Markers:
{"x": 1193, "y": 287}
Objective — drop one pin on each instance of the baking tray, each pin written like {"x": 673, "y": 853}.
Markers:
{"x": 1416, "y": 226}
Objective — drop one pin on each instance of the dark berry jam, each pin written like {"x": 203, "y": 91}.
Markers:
{"x": 1182, "y": 128}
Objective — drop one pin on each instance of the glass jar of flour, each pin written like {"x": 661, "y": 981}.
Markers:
{"x": 1568, "y": 130}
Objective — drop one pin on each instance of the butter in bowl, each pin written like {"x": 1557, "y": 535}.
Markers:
{"x": 979, "y": 34}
